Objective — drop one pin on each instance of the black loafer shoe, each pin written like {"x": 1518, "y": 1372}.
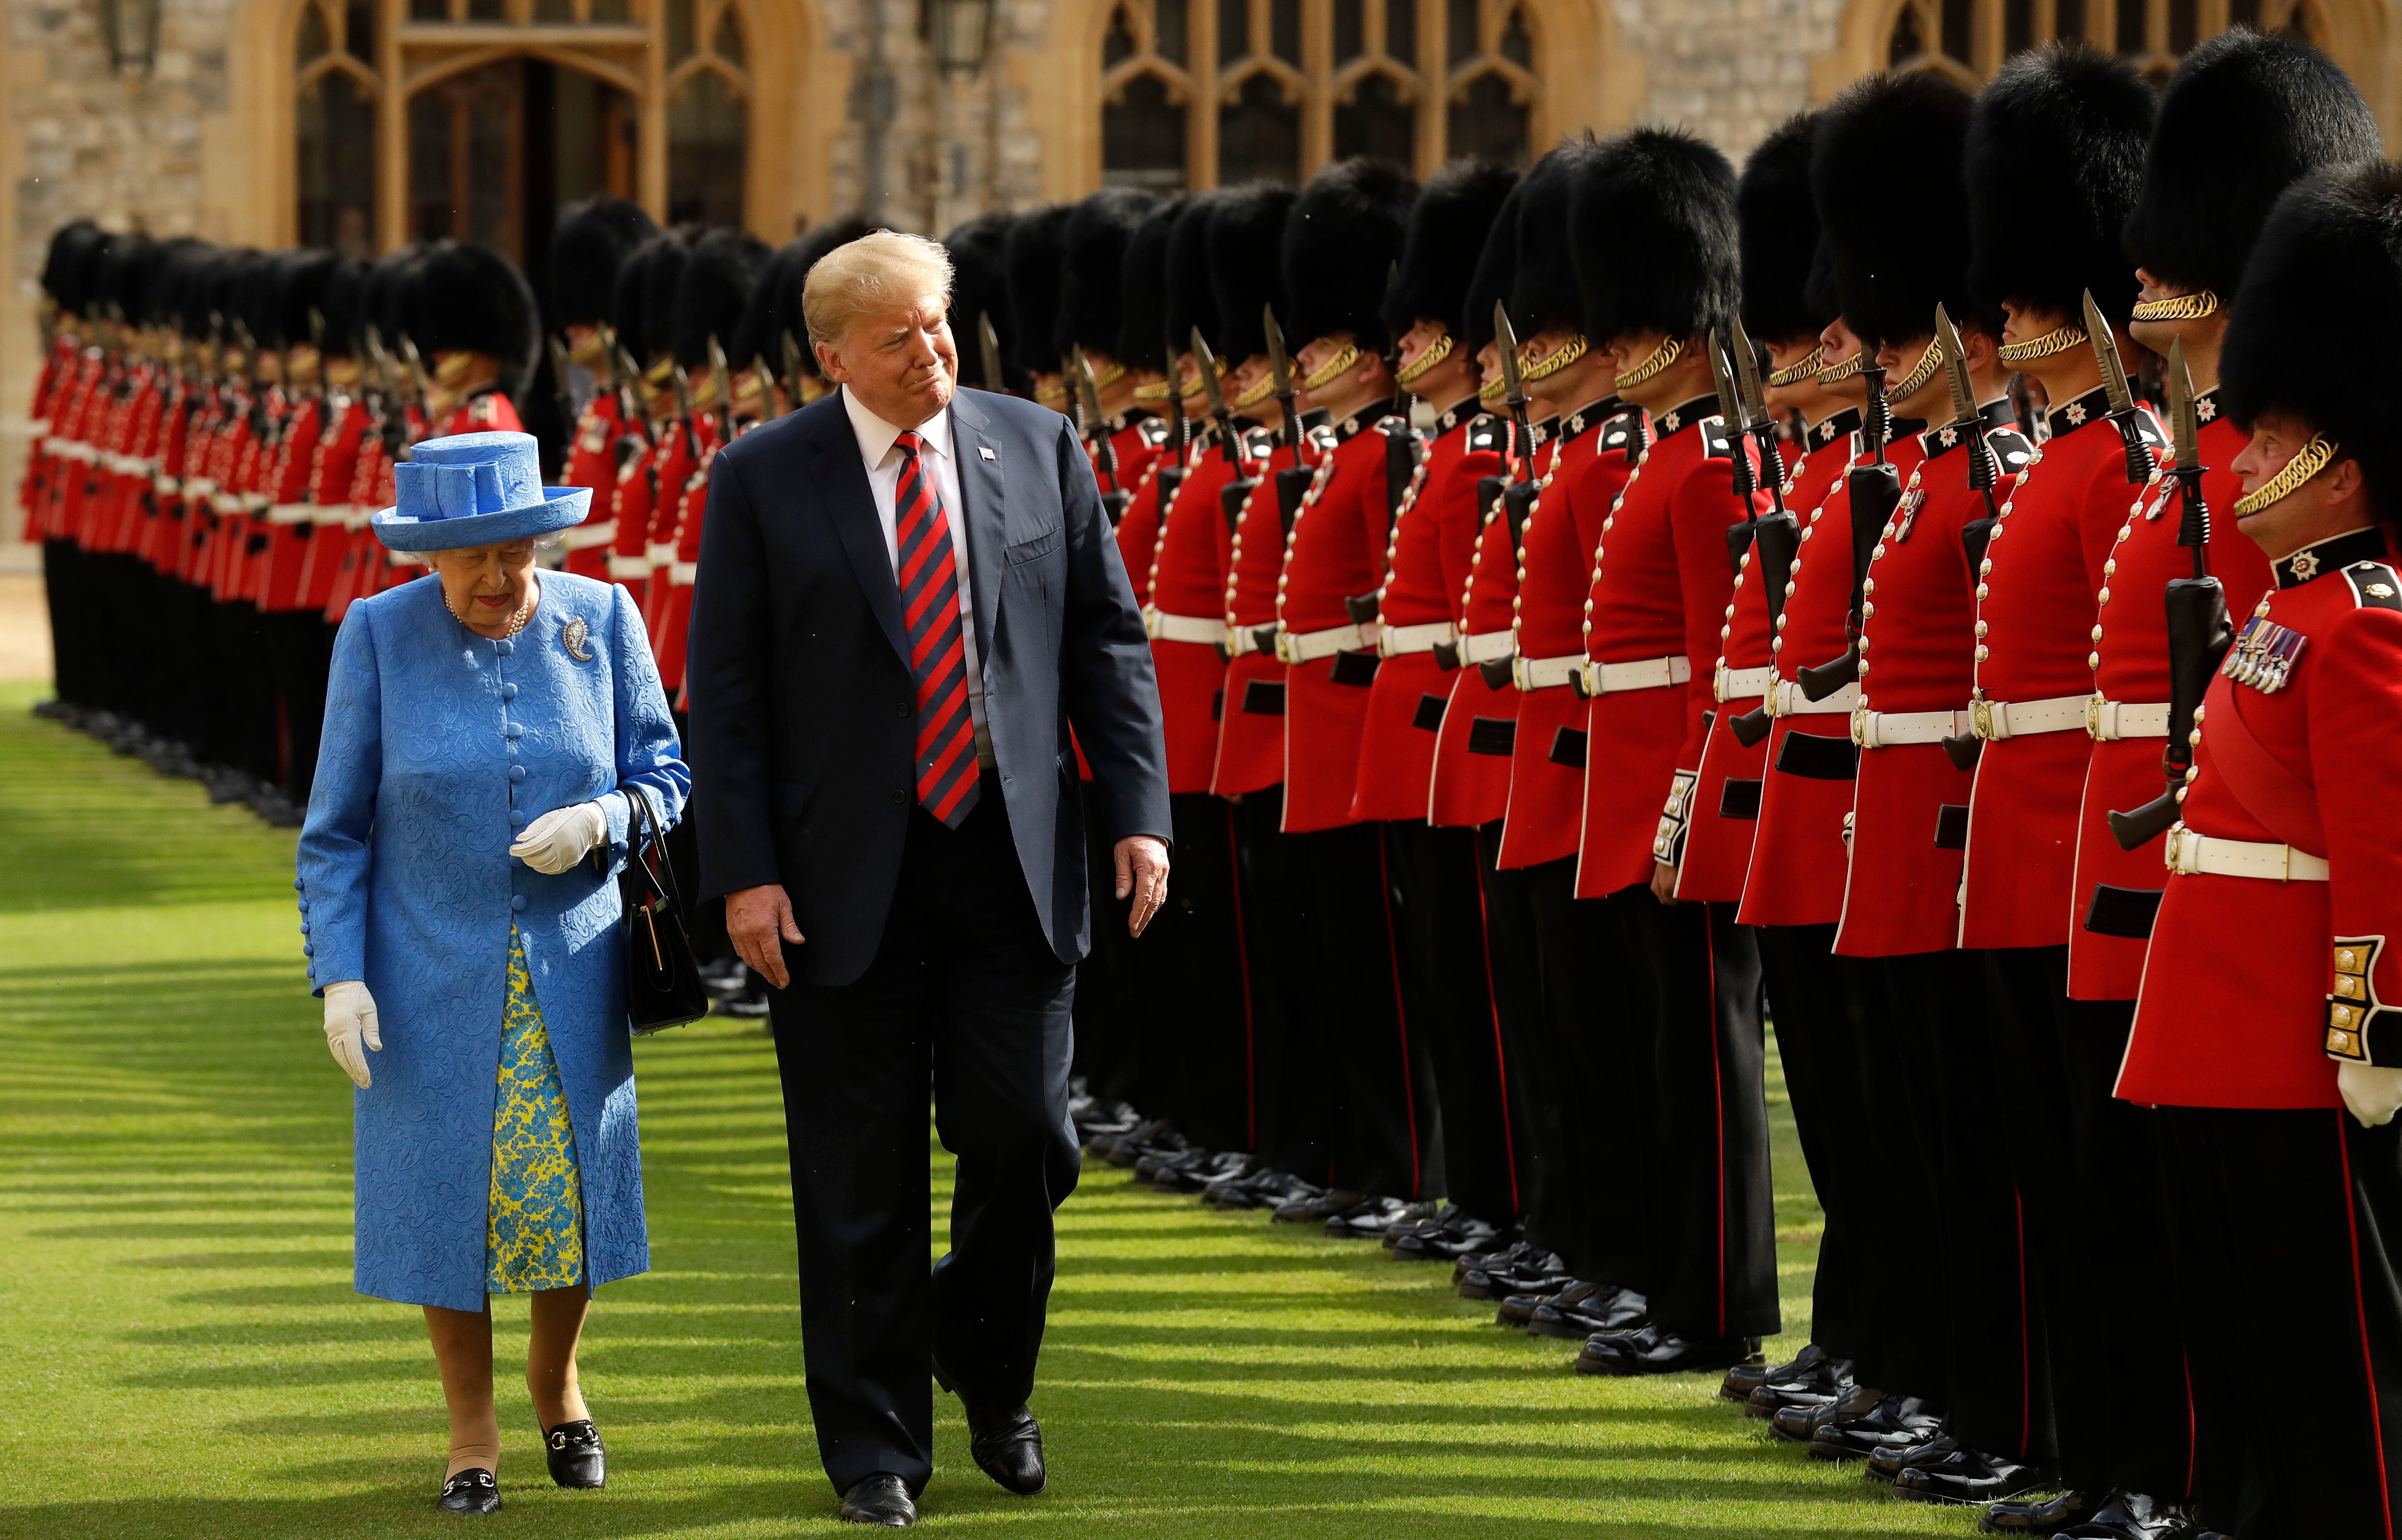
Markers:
{"x": 1516, "y": 1254}
{"x": 1444, "y": 1244}
{"x": 1813, "y": 1385}
{"x": 1903, "y": 1418}
{"x": 1529, "y": 1292}
{"x": 1799, "y": 1424}
{"x": 1656, "y": 1350}
{"x": 1965, "y": 1475}
{"x": 2131, "y": 1515}
{"x": 1603, "y": 1310}
{"x": 471, "y": 1490}
{"x": 1008, "y": 1446}
{"x": 1317, "y": 1206}
{"x": 880, "y": 1499}
{"x": 1370, "y": 1217}
{"x": 577, "y": 1461}
{"x": 2037, "y": 1515}
{"x": 1742, "y": 1380}
{"x": 1897, "y": 1454}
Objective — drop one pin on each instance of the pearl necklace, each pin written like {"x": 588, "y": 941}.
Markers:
{"x": 525, "y": 613}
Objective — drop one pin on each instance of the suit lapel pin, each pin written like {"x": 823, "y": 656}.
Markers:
{"x": 987, "y": 452}
{"x": 572, "y": 637}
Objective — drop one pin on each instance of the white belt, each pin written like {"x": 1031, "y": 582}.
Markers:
{"x": 583, "y": 537}
{"x": 166, "y": 485}
{"x": 628, "y": 567}
{"x": 55, "y": 446}
{"x": 1203, "y": 630}
{"x": 2189, "y": 854}
{"x": 71, "y": 449}
{"x": 1887, "y": 729}
{"x": 1787, "y": 700}
{"x": 1309, "y": 646}
{"x": 1485, "y": 647}
{"x": 226, "y": 502}
{"x": 199, "y": 486}
{"x": 2107, "y": 720}
{"x": 359, "y": 515}
{"x": 329, "y": 513}
{"x": 659, "y": 555}
{"x": 1532, "y": 673}
{"x": 292, "y": 512}
{"x": 1236, "y": 640}
{"x": 1606, "y": 679}
{"x": 1394, "y": 641}
{"x": 130, "y": 465}
{"x": 1996, "y": 720}
{"x": 683, "y": 573}
{"x": 1742, "y": 683}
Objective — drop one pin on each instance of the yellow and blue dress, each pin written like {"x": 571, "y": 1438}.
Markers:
{"x": 534, "y": 1220}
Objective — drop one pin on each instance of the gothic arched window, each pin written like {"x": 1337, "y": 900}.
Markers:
{"x": 335, "y": 119}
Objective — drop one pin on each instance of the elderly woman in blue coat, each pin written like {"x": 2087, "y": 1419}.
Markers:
{"x": 485, "y": 730}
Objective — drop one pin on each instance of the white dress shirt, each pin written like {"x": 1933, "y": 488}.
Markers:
{"x": 876, "y": 448}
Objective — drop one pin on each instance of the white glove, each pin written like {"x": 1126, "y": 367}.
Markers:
{"x": 351, "y": 1021}
{"x": 2373, "y": 1094}
{"x": 560, "y": 838}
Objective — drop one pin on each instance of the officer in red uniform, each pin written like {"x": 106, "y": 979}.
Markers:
{"x": 592, "y": 242}
{"x": 1654, "y": 227}
{"x": 1093, "y": 260}
{"x": 300, "y": 644}
{"x": 646, "y": 282}
{"x": 2263, "y": 1021}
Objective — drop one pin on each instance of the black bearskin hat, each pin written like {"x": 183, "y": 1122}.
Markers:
{"x": 2334, "y": 238}
{"x": 69, "y": 259}
{"x": 980, "y": 287}
{"x": 1038, "y": 244}
{"x": 2244, "y": 115}
{"x": 123, "y": 267}
{"x": 1885, "y": 176}
{"x": 713, "y": 291}
{"x": 1496, "y": 271}
{"x": 306, "y": 273}
{"x": 1191, "y": 299}
{"x": 475, "y": 300}
{"x": 392, "y": 298}
{"x": 1652, "y": 229}
{"x": 1092, "y": 269}
{"x": 2055, "y": 156}
{"x": 774, "y": 311}
{"x": 1455, "y": 214}
{"x": 173, "y": 262}
{"x": 345, "y": 307}
{"x": 1776, "y": 222}
{"x": 1246, "y": 233}
{"x": 1143, "y": 281}
{"x": 592, "y": 243}
{"x": 259, "y": 298}
{"x": 1538, "y": 273}
{"x": 661, "y": 275}
{"x": 1340, "y": 245}
{"x": 196, "y": 290}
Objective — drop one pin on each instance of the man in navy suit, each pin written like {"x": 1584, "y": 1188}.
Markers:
{"x": 908, "y": 597}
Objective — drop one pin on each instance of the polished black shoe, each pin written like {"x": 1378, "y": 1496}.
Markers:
{"x": 2035, "y": 1516}
{"x": 1656, "y": 1350}
{"x": 1370, "y": 1217}
{"x": 1800, "y": 1384}
{"x": 1008, "y": 1446}
{"x": 1516, "y": 1253}
{"x": 1965, "y": 1475}
{"x": 1262, "y": 1188}
{"x": 1318, "y": 1208}
{"x": 1445, "y": 1244}
{"x": 1889, "y": 1460}
{"x": 1799, "y": 1424}
{"x": 1742, "y": 1380}
{"x": 2131, "y": 1515}
{"x": 1598, "y": 1310}
{"x": 1521, "y": 1293}
{"x": 1194, "y": 1177}
{"x": 1894, "y": 1418}
{"x": 577, "y": 1461}
{"x": 880, "y": 1499}
{"x": 471, "y": 1490}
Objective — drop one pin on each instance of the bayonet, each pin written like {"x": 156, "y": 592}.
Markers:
{"x": 417, "y": 381}
{"x": 1875, "y": 491}
{"x": 2185, "y": 419}
{"x": 683, "y": 392}
{"x": 988, "y": 345}
{"x": 1206, "y": 363}
{"x": 1096, "y": 428}
{"x": 1513, "y": 388}
{"x": 560, "y": 395}
{"x": 1956, "y": 369}
{"x": 793, "y": 372}
{"x": 1280, "y": 374}
{"x": 722, "y": 378}
{"x": 2140, "y": 461}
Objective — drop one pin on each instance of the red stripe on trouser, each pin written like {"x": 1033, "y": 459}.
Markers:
{"x": 2360, "y": 1311}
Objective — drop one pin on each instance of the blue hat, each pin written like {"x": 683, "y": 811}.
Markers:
{"x": 474, "y": 490}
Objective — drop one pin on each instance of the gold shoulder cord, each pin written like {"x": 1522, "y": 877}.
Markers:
{"x": 2308, "y": 462}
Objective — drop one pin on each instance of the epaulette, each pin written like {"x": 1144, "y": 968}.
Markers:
{"x": 2011, "y": 448}
{"x": 2375, "y": 586}
{"x": 1258, "y": 443}
{"x": 1488, "y": 434}
{"x": 1624, "y": 432}
{"x": 1323, "y": 438}
{"x": 1717, "y": 443}
{"x": 1394, "y": 425}
{"x": 1154, "y": 430}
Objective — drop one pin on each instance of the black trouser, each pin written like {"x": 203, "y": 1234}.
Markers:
{"x": 1598, "y": 1113}
{"x": 1819, "y": 1004}
{"x": 1106, "y": 995}
{"x": 304, "y": 655}
{"x": 1898, "y": 1155}
{"x": 1449, "y": 1005}
{"x": 1716, "y": 1221}
{"x": 2283, "y": 1226}
{"x": 1294, "y": 1101}
{"x": 963, "y": 992}
{"x": 63, "y": 597}
{"x": 1514, "y": 964}
{"x": 1188, "y": 1027}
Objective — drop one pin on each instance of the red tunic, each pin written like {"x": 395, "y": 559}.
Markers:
{"x": 1902, "y": 894}
{"x": 1547, "y": 758}
{"x": 2035, "y": 625}
{"x": 1479, "y": 718}
{"x": 592, "y": 462}
{"x": 2133, "y": 669}
{"x": 1659, "y": 589}
{"x": 637, "y": 495}
{"x": 1426, "y": 570}
{"x": 1336, "y": 551}
{"x": 1726, "y": 798}
{"x": 2236, "y": 1007}
{"x": 1187, "y": 614}
{"x": 330, "y": 465}
{"x": 1250, "y": 741}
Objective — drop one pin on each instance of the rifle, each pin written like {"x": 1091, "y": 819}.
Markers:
{"x": 1114, "y": 500}
{"x": 1984, "y": 471}
{"x": 988, "y": 345}
{"x": 2140, "y": 461}
{"x": 1293, "y": 481}
{"x": 2198, "y": 629}
{"x": 1775, "y": 538}
{"x": 1747, "y": 484}
{"x": 558, "y": 392}
{"x": 1206, "y": 363}
{"x": 1875, "y": 491}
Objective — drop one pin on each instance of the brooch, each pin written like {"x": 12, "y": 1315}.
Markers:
{"x": 572, "y": 637}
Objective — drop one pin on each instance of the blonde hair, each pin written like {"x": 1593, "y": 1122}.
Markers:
{"x": 877, "y": 270}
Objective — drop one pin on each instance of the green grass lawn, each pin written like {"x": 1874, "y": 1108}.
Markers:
{"x": 181, "y": 1354}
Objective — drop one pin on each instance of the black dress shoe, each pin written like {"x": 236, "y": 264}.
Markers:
{"x": 1742, "y": 1380}
{"x": 1370, "y": 1217}
{"x": 1462, "y": 1238}
{"x": 2131, "y": 1515}
{"x": 471, "y": 1490}
{"x": 880, "y": 1499}
{"x": 1198, "y": 1176}
{"x": 1656, "y": 1350}
{"x": 1600, "y": 1310}
{"x": 1008, "y": 1446}
{"x": 1813, "y": 1386}
{"x": 1889, "y": 1460}
{"x": 1319, "y": 1207}
{"x": 1513, "y": 1255}
{"x": 1799, "y": 1424}
{"x": 1906, "y": 1420}
{"x": 1965, "y": 1475}
{"x": 2035, "y": 1516}
{"x": 577, "y": 1461}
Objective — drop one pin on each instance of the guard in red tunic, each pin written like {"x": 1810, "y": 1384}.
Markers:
{"x": 592, "y": 242}
{"x": 2264, "y": 1015}
{"x": 1128, "y": 436}
{"x": 1654, "y": 227}
{"x": 645, "y": 285}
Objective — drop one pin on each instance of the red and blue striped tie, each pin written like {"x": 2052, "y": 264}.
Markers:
{"x": 938, "y": 659}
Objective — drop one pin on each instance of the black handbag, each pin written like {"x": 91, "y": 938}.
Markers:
{"x": 662, "y": 982}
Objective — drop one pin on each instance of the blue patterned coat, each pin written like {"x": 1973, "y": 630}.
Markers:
{"x": 439, "y": 745}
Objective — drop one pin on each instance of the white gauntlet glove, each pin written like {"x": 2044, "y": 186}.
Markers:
{"x": 2373, "y": 1094}
{"x": 558, "y": 839}
{"x": 351, "y": 1023}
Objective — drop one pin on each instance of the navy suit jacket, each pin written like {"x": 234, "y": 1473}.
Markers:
{"x": 803, "y": 711}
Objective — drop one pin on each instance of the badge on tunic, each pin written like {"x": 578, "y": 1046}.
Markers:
{"x": 1907, "y": 514}
{"x": 2263, "y": 655}
{"x": 573, "y": 636}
